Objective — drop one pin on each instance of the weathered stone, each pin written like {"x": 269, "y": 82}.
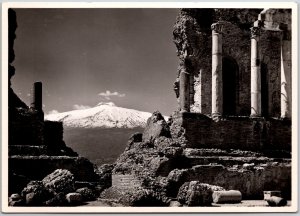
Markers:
{"x": 74, "y": 198}
{"x": 276, "y": 201}
{"x": 143, "y": 197}
{"x": 231, "y": 196}
{"x": 86, "y": 193}
{"x": 268, "y": 194}
{"x": 16, "y": 200}
{"x": 175, "y": 204}
{"x": 156, "y": 126}
{"x": 59, "y": 199}
{"x": 60, "y": 181}
{"x": 35, "y": 193}
{"x": 195, "y": 193}
{"x": 15, "y": 197}
{"x": 19, "y": 202}
{"x": 248, "y": 166}
{"x": 105, "y": 172}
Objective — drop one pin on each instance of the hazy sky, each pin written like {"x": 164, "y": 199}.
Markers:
{"x": 87, "y": 56}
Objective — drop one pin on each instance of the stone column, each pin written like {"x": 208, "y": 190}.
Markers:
{"x": 255, "y": 73}
{"x": 286, "y": 75}
{"x": 184, "y": 91}
{"x": 217, "y": 85}
{"x": 36, "y": 96}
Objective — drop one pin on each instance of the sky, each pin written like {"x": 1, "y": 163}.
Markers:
{"x": 88, "y": 56}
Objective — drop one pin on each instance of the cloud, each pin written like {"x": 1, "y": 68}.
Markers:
{"x": 107, "y": 95}
{"x": 53, "y": 112}
{"x": 80, "y": 107}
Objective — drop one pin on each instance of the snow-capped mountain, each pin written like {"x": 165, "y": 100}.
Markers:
{"x": 104, "y": 115}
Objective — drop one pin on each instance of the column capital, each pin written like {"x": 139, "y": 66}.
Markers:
{"x": 217, "y": 27}
{"x": 255, "y": 32}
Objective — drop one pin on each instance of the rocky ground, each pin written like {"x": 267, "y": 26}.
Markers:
{"x": 244, "y": 203}
{"x": 163, "y": 172}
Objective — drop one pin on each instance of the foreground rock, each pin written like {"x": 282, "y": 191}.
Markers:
{"x": 60, "y": 181}
{"x": 195, "y": 193}
{"x": 86, "y": 194}
{"x": 74, "y": 198}
{"x": 15, "y": 200}
{"x": 36, "y": 194}
{"x": 138, "y": 196}
{"x": 56, "y": 189}
{"x": 276, "y": 201}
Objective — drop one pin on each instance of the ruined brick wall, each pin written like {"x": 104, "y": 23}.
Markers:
{"x": 251, "y": 182}
{"x": 26, "y": 128}
{"x": 270, "y": 46}
{"x": 237, "y": 132}
{"x": 125, "y": 181}
{"x": 37, "y": 167}
{"x": 53, "y": 133}
{"x": 192, "y": 36}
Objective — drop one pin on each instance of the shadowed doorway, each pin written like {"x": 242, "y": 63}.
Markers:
{"x": 230, "y": 72}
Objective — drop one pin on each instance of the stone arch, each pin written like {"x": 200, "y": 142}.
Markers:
{"x": 230, "y": 73}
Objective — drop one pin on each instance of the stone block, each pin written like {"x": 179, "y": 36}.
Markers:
{"x": 74, "y": 198}
{"x": 231, "y": 196}
{"x": 276, "y": 201}
{"x": 268, "y": 194}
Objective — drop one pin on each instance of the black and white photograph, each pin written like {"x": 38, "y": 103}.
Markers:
{"x": 115, "y": 107}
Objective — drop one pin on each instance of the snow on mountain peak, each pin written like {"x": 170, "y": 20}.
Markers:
{"x": 104, "y": 115}
{"x": 106, "y": 103}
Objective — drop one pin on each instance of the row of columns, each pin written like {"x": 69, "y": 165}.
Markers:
{"x": 217, "y": 85}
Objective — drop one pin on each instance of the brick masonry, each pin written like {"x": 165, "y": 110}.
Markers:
{"x": 250, "y": 182}
{"x": 37, "y": 167}
{"x": 125, "y": 181}
{"x": 242, "y": 133}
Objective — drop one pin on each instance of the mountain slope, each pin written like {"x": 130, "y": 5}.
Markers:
{"x": 100, "y": 133}
{"x": 104, "y": 115}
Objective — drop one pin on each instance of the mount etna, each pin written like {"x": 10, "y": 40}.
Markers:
{"x": 100, "y": 133}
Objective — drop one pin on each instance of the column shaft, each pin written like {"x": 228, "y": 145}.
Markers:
{"x": 217, "y": 85}
{"x": 286, "y": 79}
{"x": 255, "y": 74}
{"x": 36, "y": 97}
{"x": 184, "y": 91}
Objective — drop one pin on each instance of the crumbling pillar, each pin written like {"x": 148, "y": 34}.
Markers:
{"x": 286, "y": 75}
{"x": 217, "y": 85}
{"x": 184, "y": 91}
{"x": 255, "y": 72}
{"x": 36, "y": 96}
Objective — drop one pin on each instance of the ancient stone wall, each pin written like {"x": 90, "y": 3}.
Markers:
{"x": 236, "y": 132}
{"x": 125, "y": 181}
{"x": 37, "y": 167}
{"x": 251, "y": 182}
{"x": 53, "y": 133}
{"x": 270, "y": 46}
{"x": 193, "y": 39}
{"x": 25, "y": 128}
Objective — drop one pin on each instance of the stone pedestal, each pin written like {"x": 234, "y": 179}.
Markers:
{"x": 217, "y": 85}
{"x": 184, "y": 91}
{"x": 255, "y": 73}
{"x": 285, "y": 77}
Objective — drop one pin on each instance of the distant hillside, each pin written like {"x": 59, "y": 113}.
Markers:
{"x": 100, "y": 145}
{"x": 100, "y": 133}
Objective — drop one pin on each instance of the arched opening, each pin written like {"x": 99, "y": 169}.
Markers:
{"x": 230, "y": 85}
{"x": 264, "y": 90}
